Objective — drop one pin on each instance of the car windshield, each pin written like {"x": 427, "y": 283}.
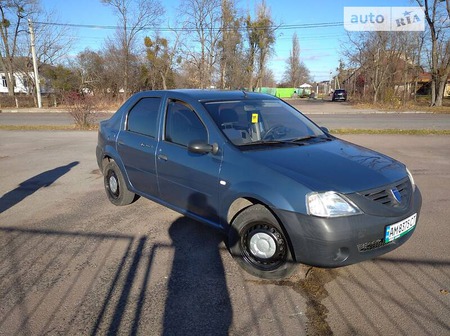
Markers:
{"x": 254, "y": 122}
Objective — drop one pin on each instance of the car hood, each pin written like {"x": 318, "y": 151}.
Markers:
{"x": 332, "y": 165}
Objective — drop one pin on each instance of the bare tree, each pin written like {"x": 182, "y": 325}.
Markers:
{"x": 12, "y": 29}
{"x": 384, "y": 62}
{"x": 161, "y": 57}
{"x": 438, "y": 19}
{"x": 52, "y": 42}
{"x": 261, "y": 39}
{"x": 231, "y": 47}
{"x": 202, "y": 20}
{"x": 296, "y": 72}
{"x": 52, "y": 45}
{"x": 91, "y": 68}
{"x": 134, "y": 16}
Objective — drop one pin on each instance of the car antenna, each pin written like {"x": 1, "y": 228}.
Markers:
{"x": 245, "y": 93}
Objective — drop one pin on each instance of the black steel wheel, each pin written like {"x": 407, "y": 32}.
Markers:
{"x": 259, "y": 245}
{"x": 115, "y": 185}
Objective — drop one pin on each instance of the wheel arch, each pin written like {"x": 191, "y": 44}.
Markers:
{"x": 239, "y": 205}
{"x": 105, "y": 160}
{"x": 111, "y": 155}
{"x": 242, "y": 203}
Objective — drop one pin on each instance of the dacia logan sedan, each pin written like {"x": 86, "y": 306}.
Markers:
{"x": 284, "y": 190}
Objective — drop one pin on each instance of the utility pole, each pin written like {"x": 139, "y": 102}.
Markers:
{"x": 35, "y": 65}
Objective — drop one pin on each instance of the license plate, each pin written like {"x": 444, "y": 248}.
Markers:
{"x": 399, "y": 229}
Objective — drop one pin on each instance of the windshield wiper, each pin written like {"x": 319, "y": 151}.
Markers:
{"x": 310, "y": 137}
{"x": 296, "y": 141}
{"x": 271, "y": 142}
{"x": 303, "y": 138}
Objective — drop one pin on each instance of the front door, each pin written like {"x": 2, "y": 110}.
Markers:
{"x": 187, "y": 181}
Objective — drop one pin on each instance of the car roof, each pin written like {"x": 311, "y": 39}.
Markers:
{"x": 211, "y": 94}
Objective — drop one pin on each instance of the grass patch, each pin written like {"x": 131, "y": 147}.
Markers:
{"x": 341, "y": 131}
{"x": 46, "y": 128}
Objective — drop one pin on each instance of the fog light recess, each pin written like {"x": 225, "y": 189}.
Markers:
{"x": 341, "y": 254}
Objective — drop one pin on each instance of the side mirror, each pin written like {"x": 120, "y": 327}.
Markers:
{"x": 325, "y": 130}
{"x": 202, "y": 147}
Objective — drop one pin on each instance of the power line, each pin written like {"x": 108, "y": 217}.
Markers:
{"x": 187, "y": 29}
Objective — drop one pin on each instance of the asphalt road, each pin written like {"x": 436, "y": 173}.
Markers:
{"x": 334, "y": 115}
{"x": 74, "y": 264}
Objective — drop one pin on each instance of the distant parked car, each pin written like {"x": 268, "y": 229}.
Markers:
{"x": 284, "y": 190}
{"x": 339, "y": 94}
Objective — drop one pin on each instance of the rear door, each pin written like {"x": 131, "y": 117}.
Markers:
{"x": 137, "y": 145}
{"x": 187, "y": 180}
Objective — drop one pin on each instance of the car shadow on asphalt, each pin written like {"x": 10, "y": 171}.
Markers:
{"x": 197, "y": 299}
{"x": 198, "y": 302}
{"x": 33, "y": 184}
{"x": 110, "y": 275}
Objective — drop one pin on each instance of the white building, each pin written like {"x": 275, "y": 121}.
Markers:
{"x": 21, "y": 82}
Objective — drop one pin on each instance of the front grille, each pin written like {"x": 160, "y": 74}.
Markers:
{"x": 364, "y": 247}
{"x": 385, "y": 196}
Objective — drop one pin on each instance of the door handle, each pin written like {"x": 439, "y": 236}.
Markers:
{"x": 162, "y": 157}
{"x": 145, "y": 145}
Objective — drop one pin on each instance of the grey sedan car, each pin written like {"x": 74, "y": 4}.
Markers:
{"x": 283, "y": 190}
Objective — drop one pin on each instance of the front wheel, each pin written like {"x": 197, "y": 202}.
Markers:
{"x": 258, "y": 244}
{"x": 115, "y": 185}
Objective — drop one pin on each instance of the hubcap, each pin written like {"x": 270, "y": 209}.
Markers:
{"x": 263, "y": 245}
{"x": 113, "y": 185}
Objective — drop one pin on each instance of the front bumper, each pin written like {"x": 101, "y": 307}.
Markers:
{"x": 335, "y": 242}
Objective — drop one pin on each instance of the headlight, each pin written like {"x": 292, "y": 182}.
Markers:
{"x": 330, "y": 204}
{"x": 411, "y": 178}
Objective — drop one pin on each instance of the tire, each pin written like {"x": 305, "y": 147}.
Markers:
{"x": 115, "y": 186}
{"x": 257, "y": 242}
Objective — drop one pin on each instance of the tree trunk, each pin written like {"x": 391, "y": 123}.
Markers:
{"x": 163, "y": 78}
{"x": 126, "y": 77}
{"x": 440, "y": 92}
{"x": 10, "y": 77}
{"x": 433, "y": 90}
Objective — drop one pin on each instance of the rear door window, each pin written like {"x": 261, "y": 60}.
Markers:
{"x": 143, "y": 117}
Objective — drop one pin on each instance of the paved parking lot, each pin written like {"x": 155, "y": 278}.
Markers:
{"x": 72, "y": 263}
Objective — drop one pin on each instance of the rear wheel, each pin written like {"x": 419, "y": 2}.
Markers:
{"x": 115, "y": 185}
{"x": 258, "y": 244}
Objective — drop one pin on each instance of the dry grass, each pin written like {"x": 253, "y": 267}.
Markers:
{"x": 46, "y": 128}
{"x": 341, "y": 131}
{"x": 422, "y": 104}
